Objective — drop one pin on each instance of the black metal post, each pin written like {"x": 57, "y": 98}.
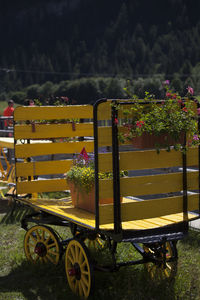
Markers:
{"x": 185, "y": 195}
{"x": 116, "y": 175}
{"x": 96, "y": 162}
{"x": 198, "y": 106}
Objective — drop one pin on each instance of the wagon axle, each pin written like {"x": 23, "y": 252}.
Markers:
{"x": 40, "y": 249}
{"x": 75, "y": 271}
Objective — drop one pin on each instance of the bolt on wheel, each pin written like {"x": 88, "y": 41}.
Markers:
{"x": 42, "y": 244}
{"x": 78, "y": 268}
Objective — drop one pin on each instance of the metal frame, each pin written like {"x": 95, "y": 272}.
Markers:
{"x": 171, "y": 232}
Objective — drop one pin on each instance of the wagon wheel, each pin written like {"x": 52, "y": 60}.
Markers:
{"x": 95, "y": 241}
{"x": 92, "y": 241}
{"x": 42, "y": 244}
{"x": 165, "y": 266}
{"x": 78, "y": 268}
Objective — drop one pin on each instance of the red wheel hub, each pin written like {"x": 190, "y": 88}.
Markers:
{"x": 40, "y": 249}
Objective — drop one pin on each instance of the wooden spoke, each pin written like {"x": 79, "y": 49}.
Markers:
{"x": 78, "y": 268}
{"x": 41, "y": 243}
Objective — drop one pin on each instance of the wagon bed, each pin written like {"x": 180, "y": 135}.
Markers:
{"x": 64, "y": 209}
{"x": 48, "y": 138}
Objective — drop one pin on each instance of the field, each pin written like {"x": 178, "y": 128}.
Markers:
{"x": 20, "y": 280}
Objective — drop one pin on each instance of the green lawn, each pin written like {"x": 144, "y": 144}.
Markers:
{"x": 20, "y": 280}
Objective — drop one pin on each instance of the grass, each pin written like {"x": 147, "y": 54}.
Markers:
{"x": 20, "y": 280}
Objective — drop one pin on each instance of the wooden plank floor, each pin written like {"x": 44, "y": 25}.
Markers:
{"x": 63, "y": 208}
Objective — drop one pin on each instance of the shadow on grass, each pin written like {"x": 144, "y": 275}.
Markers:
{"x": 192, "y": 239}
{"x": 15, "y": 214}
{"x": 36, "y": 282}
{"x": 41, "y": 282}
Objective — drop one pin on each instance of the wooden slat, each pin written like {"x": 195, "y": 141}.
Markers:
{"x": 64, "y": 210}
{"x": 42, "y": 167}
{"x": 105, "y": 162}
{"x": 149, "y": 159}
{"x": 47, "y": 131}
{"x": 28, "y": 150}
{"x": 147, "y": 185}
{"x": 104, "y": 136}
{"x": 24, "y": 113}
{"x": 40, "y": 186}
{"x": 149, "y": 209}
{"x": 7, "y": 142}
{"x": 104, "y": 111}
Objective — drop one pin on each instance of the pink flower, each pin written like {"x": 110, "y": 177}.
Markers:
{"x": 166, "y": 82}
{"x": 190, "y": 90}
{"x": 65, "y": 99}
{"x": 195, "y": 137}
{"x": 198, "y": 111}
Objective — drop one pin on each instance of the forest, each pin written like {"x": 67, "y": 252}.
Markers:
{"x": 86, "y": 49}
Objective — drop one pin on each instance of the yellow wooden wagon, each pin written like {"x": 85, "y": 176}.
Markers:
{"x": 160, "y": 193}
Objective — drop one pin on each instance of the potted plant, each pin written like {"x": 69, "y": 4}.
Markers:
{"x": 81, "y": 181}
{"x": 150, "y": 123}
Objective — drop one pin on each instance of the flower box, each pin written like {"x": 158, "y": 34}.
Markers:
{"x": 86, "y": 200}
{"x": 149, "y": 141}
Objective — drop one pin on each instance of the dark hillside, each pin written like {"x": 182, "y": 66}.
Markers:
{"x": 59, "y": 40}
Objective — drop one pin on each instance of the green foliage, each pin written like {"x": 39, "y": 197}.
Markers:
{"x": 171, "y": 117}
{"x": 82, "y": 173}
{"x": 18, "y": 97}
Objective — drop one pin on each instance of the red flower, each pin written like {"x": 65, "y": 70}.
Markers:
{"x": 116, "y": 121}
{"x": 168, "y": 94}
{"x": 139, "y": 124}
{"x": 84, "y": 154}
{"x": 185, "y": 109}
{"x": 174, "y": 96}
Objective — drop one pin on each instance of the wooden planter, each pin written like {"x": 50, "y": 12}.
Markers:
{"x": 82, "y": 199}
{"x": 147, "y": 140}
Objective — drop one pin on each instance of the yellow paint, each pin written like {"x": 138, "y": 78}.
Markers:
{"x": 66, "y": 211}
{"x": 43, "y": 167}
{"x": 39, "y": 186}
{"x": 148, "y": 209}
{"x": 150, "y": 184}
{"x": 27, "y": 150}
{"x": 7, "y": 142}
{"x": 104, "y": 136}
{"x": 149, "y": 159}
{"x": 51, "y": 131}
{"x": 24, "y": 113}
{"x": 104, "y": 111}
